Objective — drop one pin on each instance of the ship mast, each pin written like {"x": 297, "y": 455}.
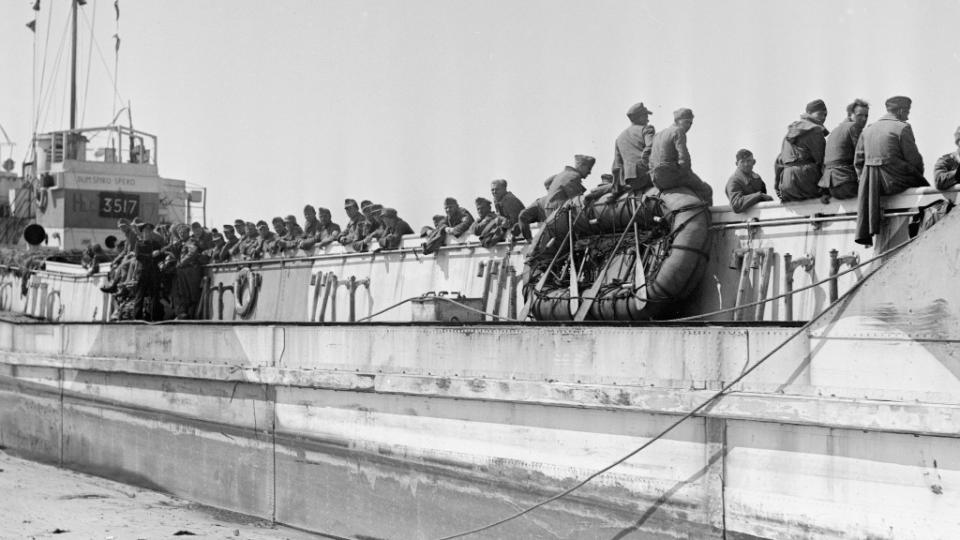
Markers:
{"x": 73, "y": 69}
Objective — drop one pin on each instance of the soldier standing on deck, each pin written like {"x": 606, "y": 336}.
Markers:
{"x": 799, "y": 166}
{"x": 839, "y": 176}
{"x": 887, "y": 162}
{"x": 670, "y": 165}
{"x": 186, "y": 285}
{"x": 631, "y": 153}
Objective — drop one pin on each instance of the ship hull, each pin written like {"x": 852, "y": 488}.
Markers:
{"x": 379, "y": 432}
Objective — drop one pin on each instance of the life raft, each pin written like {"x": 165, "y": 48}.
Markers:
{"x": 665, "y": 233}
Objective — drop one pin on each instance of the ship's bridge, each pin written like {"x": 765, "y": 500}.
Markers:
{"x": 86, "y": 179}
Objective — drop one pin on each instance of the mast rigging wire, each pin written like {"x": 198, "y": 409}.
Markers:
{"x": 86, "y": 84}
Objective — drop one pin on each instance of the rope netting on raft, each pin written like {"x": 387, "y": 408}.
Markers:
{"x": 610, "y": 254}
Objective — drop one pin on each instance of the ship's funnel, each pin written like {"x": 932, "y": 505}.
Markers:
{"x": 35, "y": 234}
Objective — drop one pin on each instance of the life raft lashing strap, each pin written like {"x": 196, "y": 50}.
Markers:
{"x": 698, "y": 251}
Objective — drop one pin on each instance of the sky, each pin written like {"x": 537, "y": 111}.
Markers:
{"x": 275, "y": 104}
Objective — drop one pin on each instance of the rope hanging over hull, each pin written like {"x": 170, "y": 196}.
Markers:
{"x": 633, "y": 256}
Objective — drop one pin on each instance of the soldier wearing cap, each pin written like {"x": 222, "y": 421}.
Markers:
{"x": 186, "y": 287}
{"x": 887, "y": 162}
{"x": 213, "y": 253}
{"x": 323, "y": 232}
{"x": 839, "y": 176}
{"x": 568, "y": 183}
{"x": 357, "y": 227}
{"x": 459, "y": 219}
{"x": 371, "y": 214}
{"x": 279, "y": 226}
{"x": 268, "y": 243}
{"x": 249, "y": 246}
{"x": 631, "y": 152}
{"x": 200, "y": 235}
{"x": 230, "y": 240}
{"x": 945, "y": 170}
{"x": 535, "y": 212}
{"x": 670, "y": 166}
{"x": 489, "y": 228}
{"x": 394, "y": 229}
{"x": 506, "y": 203}
{"x": 745, "y": 188}
{"x": 799, "y": 166}
{"x": 294, "y": 230}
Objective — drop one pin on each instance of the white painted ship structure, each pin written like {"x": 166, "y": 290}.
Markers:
{"x": 342, "y": 400}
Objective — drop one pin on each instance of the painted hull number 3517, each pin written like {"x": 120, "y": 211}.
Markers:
{"x": 119, "y": 205}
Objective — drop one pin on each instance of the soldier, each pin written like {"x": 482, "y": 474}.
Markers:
{"x": 212, "y": 253}
{"x": 357, "y": 227}
{"x": 945, "y": 171}
{"x": 670, "y": 160}
{"x": 186, "y": 286}
{"x": 249, "y": 247}
{"x": 799, "y": 166}
{"x": 394, "y": 229}
{"x": 489, "y": 227}
{"x": 887, "y": 162}
{"x": 506, "y": 203}
{"x": 745, "y": 188}
{"x": 439, "y": 221}
{"x": 118, "y": 266}
{"x": 568, "y": 183}
{"x": 230, "y": 240}
{"x": 631, "y": 153}
{"x": 369, "y": 213}
{"x": 279, "y": 227}
{"x": 839, "y": 176}
{"x": 294, "y": 230}
{"x": 268, "y": 243}
{"x": 201, "y": 235}
{"x": 459, "y": 219}
{"x": 535, "y": 212}
{"x": 324, "y": 233}
{"x": 147, "y": 292}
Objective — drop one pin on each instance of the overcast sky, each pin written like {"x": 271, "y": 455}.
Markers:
{"x": 274, "y": 104}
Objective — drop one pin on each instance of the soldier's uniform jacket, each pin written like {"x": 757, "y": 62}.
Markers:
{"x": 888, "y": 162}
{"x": 460, "y": 221}
{"x": 631, "y": 152}
{"x": 509, "y": 206}
{"x": 945, "y": 171}
{"x": 491, "y": 229}
{"x": 838, "y": 157}
{"x": 269, "y": 244}
{"x": 356, "y": 230}
{"x": 250, "y": 248}
{"x": 326, "y": 234}
{"x": 564, "y": 186}
{"x": 800, "y": 163}
{"x": 227, "y": 250}
{"x": 669, "y": 149}
{"x": 189, "y": 253}
{"x": 392, "y": 237}
{"x": 744, "y": 191}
